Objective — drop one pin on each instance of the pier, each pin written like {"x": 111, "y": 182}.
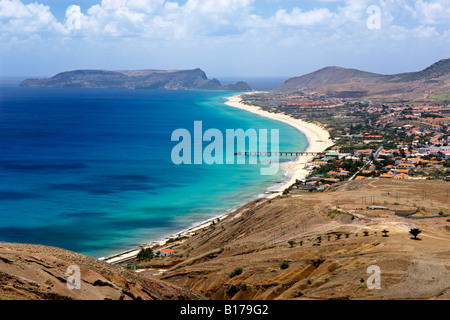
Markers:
{"x": 278, "y": 153}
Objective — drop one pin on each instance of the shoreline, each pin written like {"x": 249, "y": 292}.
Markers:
{"x": 318, "y": 140}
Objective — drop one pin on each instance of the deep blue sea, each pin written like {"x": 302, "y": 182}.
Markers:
{"x": 90, "y": 170}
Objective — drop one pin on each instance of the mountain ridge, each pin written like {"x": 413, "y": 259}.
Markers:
{"x": 348, "y": 82}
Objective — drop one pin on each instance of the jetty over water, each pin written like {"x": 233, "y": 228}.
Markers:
{"x": 278, "y": 153}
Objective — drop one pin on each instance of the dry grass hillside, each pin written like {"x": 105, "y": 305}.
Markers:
{"x": 33, "y": 272}
{"x": 255, "y": 239}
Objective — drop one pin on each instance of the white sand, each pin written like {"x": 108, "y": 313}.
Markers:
{"x": 318, "y": 138}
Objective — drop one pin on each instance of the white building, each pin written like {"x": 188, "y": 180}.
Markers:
{"x": 163, "y": 252}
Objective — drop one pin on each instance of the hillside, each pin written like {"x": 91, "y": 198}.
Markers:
{"x": 344, "y": 82}
{"x": 255, "y": 238}
{"x": 135, "y": 79}
{"x": 34, "y": 272}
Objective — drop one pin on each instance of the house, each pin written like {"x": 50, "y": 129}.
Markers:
{"x": 323, "y": 187}
{"x": 377, "y": 208}
{"x": 405, "y": 165}
{"x": 387, "y": 175}
{"x": 163, "y": 252}
{"x": 365, "y": 153}
{"x": 401, "y": 176}
{"x": 414, "y": 160}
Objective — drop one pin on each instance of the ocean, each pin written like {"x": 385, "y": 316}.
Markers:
{"x": 90, "y": 170}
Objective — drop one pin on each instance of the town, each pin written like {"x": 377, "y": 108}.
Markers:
{"x": 372, "y": 139}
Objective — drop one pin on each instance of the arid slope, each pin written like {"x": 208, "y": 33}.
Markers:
{"x": 34, "y": 272}
{"x": 255, "y": 238}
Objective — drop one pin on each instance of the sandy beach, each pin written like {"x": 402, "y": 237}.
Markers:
{"x": 318, "y": 141}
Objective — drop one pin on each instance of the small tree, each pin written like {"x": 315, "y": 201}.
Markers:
{"x": 301, "y": 243}
{"x": 145, "y": 254}
{"x": 415, "y": 232}
{"x": 385, "y": 233}
{"x": 366, "y": 233}
{"x": 319, "y": 239}
{"x": 291, "y": 243}
{"x": 338, "y": 236}
{"x": 284, "y": 265}
{"x": 347, "y": 235}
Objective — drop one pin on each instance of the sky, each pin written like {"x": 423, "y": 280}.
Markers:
{"x": 225, "y": 38}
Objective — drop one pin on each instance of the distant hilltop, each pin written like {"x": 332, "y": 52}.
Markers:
{"x": 135, "y": 79}
{"x": 344, "y": 82}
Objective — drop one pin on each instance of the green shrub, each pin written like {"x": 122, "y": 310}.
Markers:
{"x": 284, "y": 265}
{"x": 236, "y": 272}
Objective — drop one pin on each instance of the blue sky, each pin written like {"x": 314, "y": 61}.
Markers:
{"x": 223, "y": 37}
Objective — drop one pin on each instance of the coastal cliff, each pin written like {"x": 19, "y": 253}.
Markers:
{"x": 135, "y": 79}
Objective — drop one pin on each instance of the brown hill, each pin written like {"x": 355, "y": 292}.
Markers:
{"x": 343, "y": 82}
{"x": 34, "y": 272}
{"x": 255, "y": 238}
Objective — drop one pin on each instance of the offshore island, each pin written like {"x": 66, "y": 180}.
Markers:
{"x": 195, "y": 79}
{"x": 376, "y": 194}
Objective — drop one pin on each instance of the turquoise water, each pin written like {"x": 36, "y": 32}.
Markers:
{"x": 90, "y": 170}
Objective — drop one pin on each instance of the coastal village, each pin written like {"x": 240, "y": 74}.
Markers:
{"x": 372, "y": 140}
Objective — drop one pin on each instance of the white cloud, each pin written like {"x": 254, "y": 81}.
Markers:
{"x": 299, "y": 18}
{"x": 432, "y": 12}
{"x": 17, "y": 18}
{"x": 204, "y": 20}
